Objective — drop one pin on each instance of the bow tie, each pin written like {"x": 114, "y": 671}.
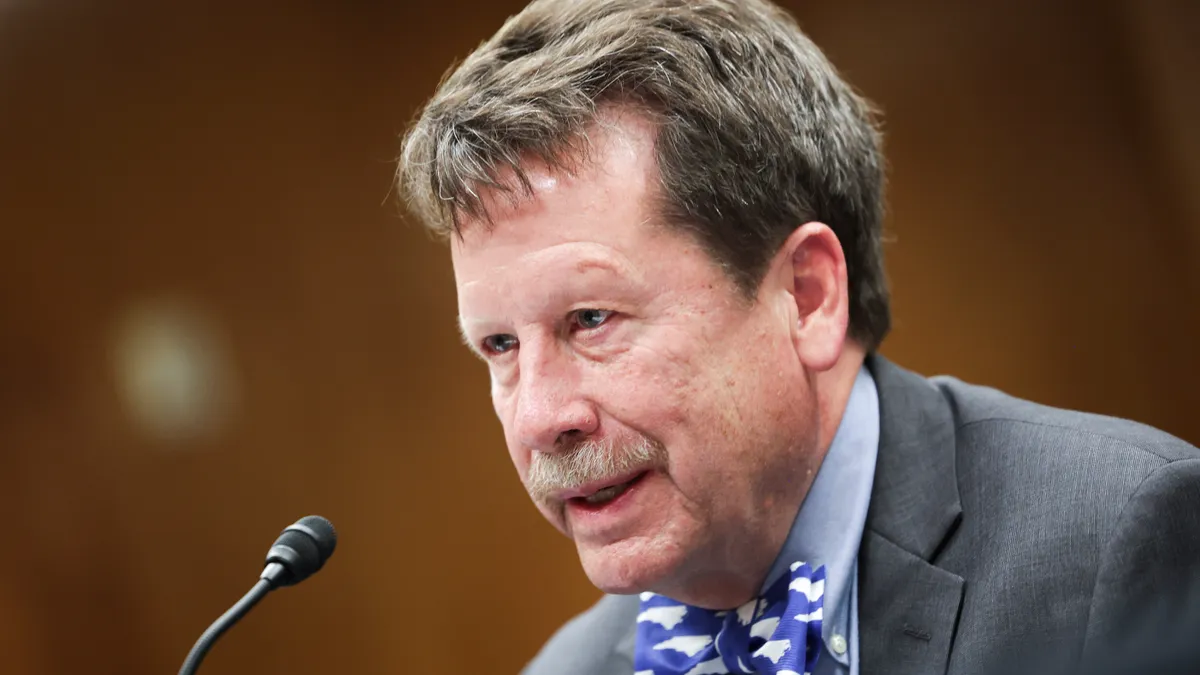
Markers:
{"x": 778, "y": 633}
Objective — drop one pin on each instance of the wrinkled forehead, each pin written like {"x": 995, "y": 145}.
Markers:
{"x": 557, "y": 274}
{"x": 603, "y": 199}
{"x": 579, "y": 231}
{"x": 547, "y": 250}
{"x": 550, "y": 239}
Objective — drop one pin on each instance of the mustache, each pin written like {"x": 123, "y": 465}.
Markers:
{"x": 590, "y": 460}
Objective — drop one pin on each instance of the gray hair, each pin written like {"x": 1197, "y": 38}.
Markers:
{"x": 590, "y": 460}
{"x": 756, "y": 132}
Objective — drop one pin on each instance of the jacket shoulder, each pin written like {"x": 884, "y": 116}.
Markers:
{"x": 592, "y": 643}
{"x": 984, "y": 412}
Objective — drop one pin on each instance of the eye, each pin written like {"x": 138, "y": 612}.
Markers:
{"x": 500, "y": 344}
{"x": 589, "y": 319}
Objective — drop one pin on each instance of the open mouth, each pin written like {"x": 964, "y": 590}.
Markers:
{"x": 607, "y": 495}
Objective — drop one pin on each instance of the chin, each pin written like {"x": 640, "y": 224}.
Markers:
{"x": 628, "y": 567}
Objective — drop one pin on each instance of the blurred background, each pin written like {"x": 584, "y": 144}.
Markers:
{"x": 214, "y": 318}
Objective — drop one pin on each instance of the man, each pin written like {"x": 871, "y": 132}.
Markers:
{"x": 664, "y": 220}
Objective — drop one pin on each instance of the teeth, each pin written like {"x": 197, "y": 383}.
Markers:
{"x": 606, "y": 494}
{"x": 601, "y": 496}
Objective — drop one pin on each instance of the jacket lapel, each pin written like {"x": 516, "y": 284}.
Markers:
{"x": 623, "y": 652}
{"x": 908, "y": 607}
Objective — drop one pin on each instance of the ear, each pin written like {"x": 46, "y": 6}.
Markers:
{"x": 811, "y": 269}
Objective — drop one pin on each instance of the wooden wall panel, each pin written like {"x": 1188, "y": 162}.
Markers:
{"x": 235, "y": 159}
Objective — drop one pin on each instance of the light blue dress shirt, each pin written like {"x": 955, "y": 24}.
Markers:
{"x": 829, "y": 527}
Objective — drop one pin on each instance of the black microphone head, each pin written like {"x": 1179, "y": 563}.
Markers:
{"x": 301, "y": 550}
{"x": 321, "y": 530}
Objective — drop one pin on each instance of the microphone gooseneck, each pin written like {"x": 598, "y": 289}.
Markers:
{"x": 218, "y": 627}
{"x": 300, "y": 551}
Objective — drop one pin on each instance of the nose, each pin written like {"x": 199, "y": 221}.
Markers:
{"x": 551, "y": 410}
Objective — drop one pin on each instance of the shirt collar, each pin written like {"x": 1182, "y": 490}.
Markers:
{"x": 829, "y": 526}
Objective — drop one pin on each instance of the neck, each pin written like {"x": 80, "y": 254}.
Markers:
{"x": 833, "y": 389}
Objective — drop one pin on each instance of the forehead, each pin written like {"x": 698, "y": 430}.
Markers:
{"x": 593, "y": 232}
{"x": 600, "y": 212}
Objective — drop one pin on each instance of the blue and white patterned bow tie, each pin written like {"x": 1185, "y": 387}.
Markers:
{"x": 778, "y": 633}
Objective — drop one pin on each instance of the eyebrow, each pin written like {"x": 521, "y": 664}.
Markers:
{"x": 615, "y": 267}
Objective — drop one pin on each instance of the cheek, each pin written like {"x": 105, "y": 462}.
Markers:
{"x": 502, "y": 405}
{"x": 519, "y": 456}
{"x": 736, "y": 401}
{"x": 646, "y": 389}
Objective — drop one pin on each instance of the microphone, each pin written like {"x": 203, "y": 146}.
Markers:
{"x": 300, "y": 551}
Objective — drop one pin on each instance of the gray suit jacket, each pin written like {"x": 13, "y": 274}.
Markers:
{"x": 996, "y": 526}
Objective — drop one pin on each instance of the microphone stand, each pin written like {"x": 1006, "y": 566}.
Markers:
{"x": 218, "y": 627}
{"x": 300, "y": 551}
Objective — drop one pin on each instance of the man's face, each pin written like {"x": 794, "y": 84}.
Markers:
{"x": 657, "y": 418}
